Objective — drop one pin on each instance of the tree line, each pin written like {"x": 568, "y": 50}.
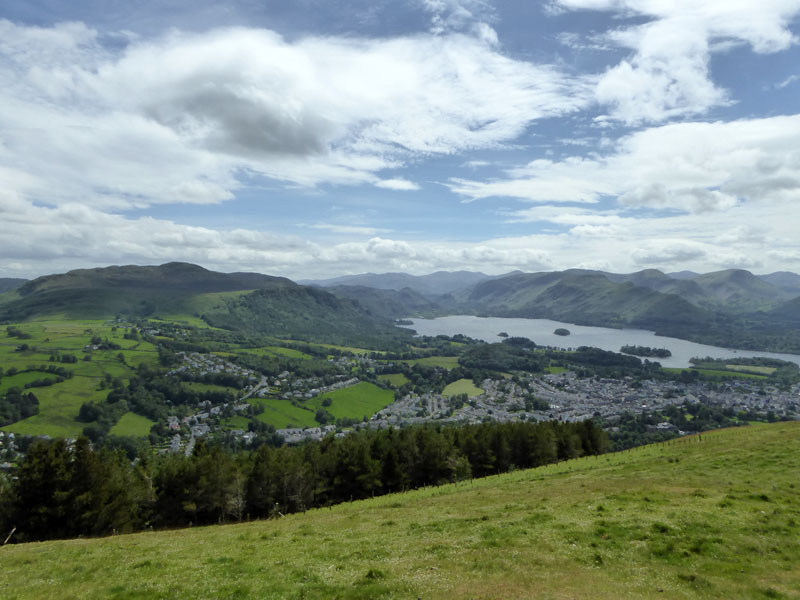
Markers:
{"x": 64, "y": 491}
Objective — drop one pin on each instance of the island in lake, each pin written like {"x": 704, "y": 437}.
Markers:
{"x": 561, "y": 331}
{"x": 646, "y": 351}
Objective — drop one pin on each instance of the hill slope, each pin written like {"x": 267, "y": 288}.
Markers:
{"x": 392, "y": 304}
{"x": 738, "y": 291}
{"x": 709, "y": 517}
{"x": 10, "y": 283}
{"x": 785, "y": 280}
{"x": 441, "y": 282}
{"x": 248, "y": 302}
{"x": 584, "y": 298}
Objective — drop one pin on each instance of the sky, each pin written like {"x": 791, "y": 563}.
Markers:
{"x": 318, "y": 138}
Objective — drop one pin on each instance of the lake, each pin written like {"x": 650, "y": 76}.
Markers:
{"x": 541, "y": 332}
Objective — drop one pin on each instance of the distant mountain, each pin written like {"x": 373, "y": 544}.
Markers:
{"x": 9, "y": 283}
{"x": 582, "y": 297}
{"x": 434, "y": 284}
{"x": 128, "y": 290}
{"x": 732, "y": 291}
{"x": 682, "y": 274}
{"x": 789, "y": 282}
{"x": 247, "y": 302}
{"x": 789, "y": 311}
{"x": 391, "y": 304}
{"x": 738, "y": 291}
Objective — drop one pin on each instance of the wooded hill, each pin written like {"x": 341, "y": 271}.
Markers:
{"x": 248, "y": 302}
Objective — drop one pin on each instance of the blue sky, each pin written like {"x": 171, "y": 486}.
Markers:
{"x": 317, "y": 138}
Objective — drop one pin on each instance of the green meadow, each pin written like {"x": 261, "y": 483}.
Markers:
{"x": 282, "y": 413}
{"x": 711, "y": 516}
{"x": 275, "y": 351}
{"x": 462, "y": 386}
{"x": 132, "y": 425}
{"x": 208, "y": 387}
{"x": 394, "y": 379}
{"x": 717, "y": 373}
{"x": 446, "y": 362}
{"x": 355, "y": 402}
{"x": 59, "y": 404}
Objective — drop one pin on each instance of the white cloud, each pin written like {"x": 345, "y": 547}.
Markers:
{"x": 36, "y": 240}
{"x": 398, "y": 184}
{"x": 695, "y": 167}
{"x": 668, "y": 252}
{"x": 183, "y": 117}
{"x": 349, "y": 229}
{"x": 574, "y": 180}
{"x": 667, "y": 75}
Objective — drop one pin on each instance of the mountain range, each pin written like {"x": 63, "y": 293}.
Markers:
{"x": 732, "y": 307}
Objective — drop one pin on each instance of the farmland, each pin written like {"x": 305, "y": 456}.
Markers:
{"x": 59, "y": 403}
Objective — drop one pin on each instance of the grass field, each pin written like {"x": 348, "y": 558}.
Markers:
{"x": 132, "y": 425}
{"x": 274, "y": 351}
{"x": 58, "y": 408}
{"x": 394, "y": 379}
{"x": 462, "y": 386}
{"x": 717, "y": 373}
{"x": 356, "y": 402}
{"x": 283, "y": 414}
{"x": 22, "y": 378}
{"x": 236, "y": 422}
{"x": 751, "y": 369}
{"x": 59, "y": 404}
{"x": 208, "y": 387}
{"x": 446, "y": 362}
{"x": 716, "y": 518}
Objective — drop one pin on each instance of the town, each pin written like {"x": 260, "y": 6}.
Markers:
{"x": 560, "y": 396}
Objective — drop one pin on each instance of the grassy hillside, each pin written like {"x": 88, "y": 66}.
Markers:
{"x": 131, "y": 290}
{"x": 249, "y": 302}
{"x": 703, "y": 517}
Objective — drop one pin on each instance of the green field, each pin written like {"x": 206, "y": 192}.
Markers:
{"x": 355, "y": 402}
{"x": 462, "y": 386}
{"x": 58, "y": 408}
{"x": 132, "y": 425}
{"x": 752, "y": 369}
{"x": 282, "y": 413}
{"x": 394, "y": 379}
{"x": 275, "y": 351}
{"x": 702, "y": 517}
{"x": 22, "y": 378}
{"x": 208, "y": 387}
{"x": 446, "y": 362}
{"x": 59, "y": 403}
{"x": 236, "y": 422}
{"x": 717, "y": 373}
